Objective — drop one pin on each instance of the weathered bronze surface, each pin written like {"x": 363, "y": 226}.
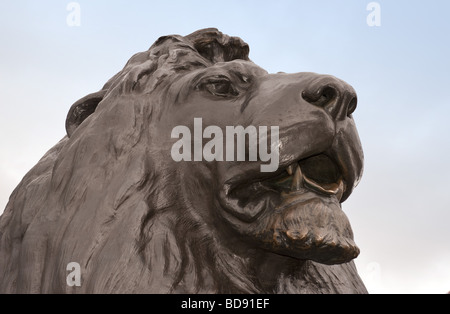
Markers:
{"x": 110, "y": 197}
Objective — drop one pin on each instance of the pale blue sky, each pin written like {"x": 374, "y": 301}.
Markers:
{"x": 400, "y": 70}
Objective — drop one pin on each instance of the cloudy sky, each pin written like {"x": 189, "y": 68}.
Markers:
{"x": 399, "y": 213}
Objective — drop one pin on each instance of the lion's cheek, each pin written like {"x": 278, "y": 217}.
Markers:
{"x": 249, "y": 211}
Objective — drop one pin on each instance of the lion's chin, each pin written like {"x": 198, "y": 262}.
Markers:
{"x": 307, "y": 226}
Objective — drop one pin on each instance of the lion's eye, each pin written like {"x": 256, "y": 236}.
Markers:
{"x": 219, "y": 86}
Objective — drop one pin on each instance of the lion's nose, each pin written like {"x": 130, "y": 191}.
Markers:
{"x": 336, "y": 96}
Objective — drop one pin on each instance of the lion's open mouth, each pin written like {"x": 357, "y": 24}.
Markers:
{"x": 319, "y": 174}
{"x": 297, "y": 211}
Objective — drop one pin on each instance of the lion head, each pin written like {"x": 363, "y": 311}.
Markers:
{"x": 110, "y": 197}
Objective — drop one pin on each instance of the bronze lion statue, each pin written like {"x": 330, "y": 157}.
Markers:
{"x": 109, "y": 196}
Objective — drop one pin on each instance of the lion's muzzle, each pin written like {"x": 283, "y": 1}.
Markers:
{"x": 332, "y": 94}
{"x": 296, "y": 211}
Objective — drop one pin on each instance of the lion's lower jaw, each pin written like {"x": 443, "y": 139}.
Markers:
{"x": 316, "y": 229}
{"x": 327, "y": 253}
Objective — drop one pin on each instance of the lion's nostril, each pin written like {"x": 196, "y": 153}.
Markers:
{"x": 352, "y": 106}
{"x": 329, "y": 93}
{"x": 320, "y": 97}
{"x": 336, "y": 97}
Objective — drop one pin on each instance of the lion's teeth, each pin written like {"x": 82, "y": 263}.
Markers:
{"x": 297, "y": 181}
{"x": 340, "y": 190}
{"x": 329, "y": 189}
{"x": 291, "y": 169}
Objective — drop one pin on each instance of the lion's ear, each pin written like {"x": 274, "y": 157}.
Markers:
{"x": 81, "y": 110}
